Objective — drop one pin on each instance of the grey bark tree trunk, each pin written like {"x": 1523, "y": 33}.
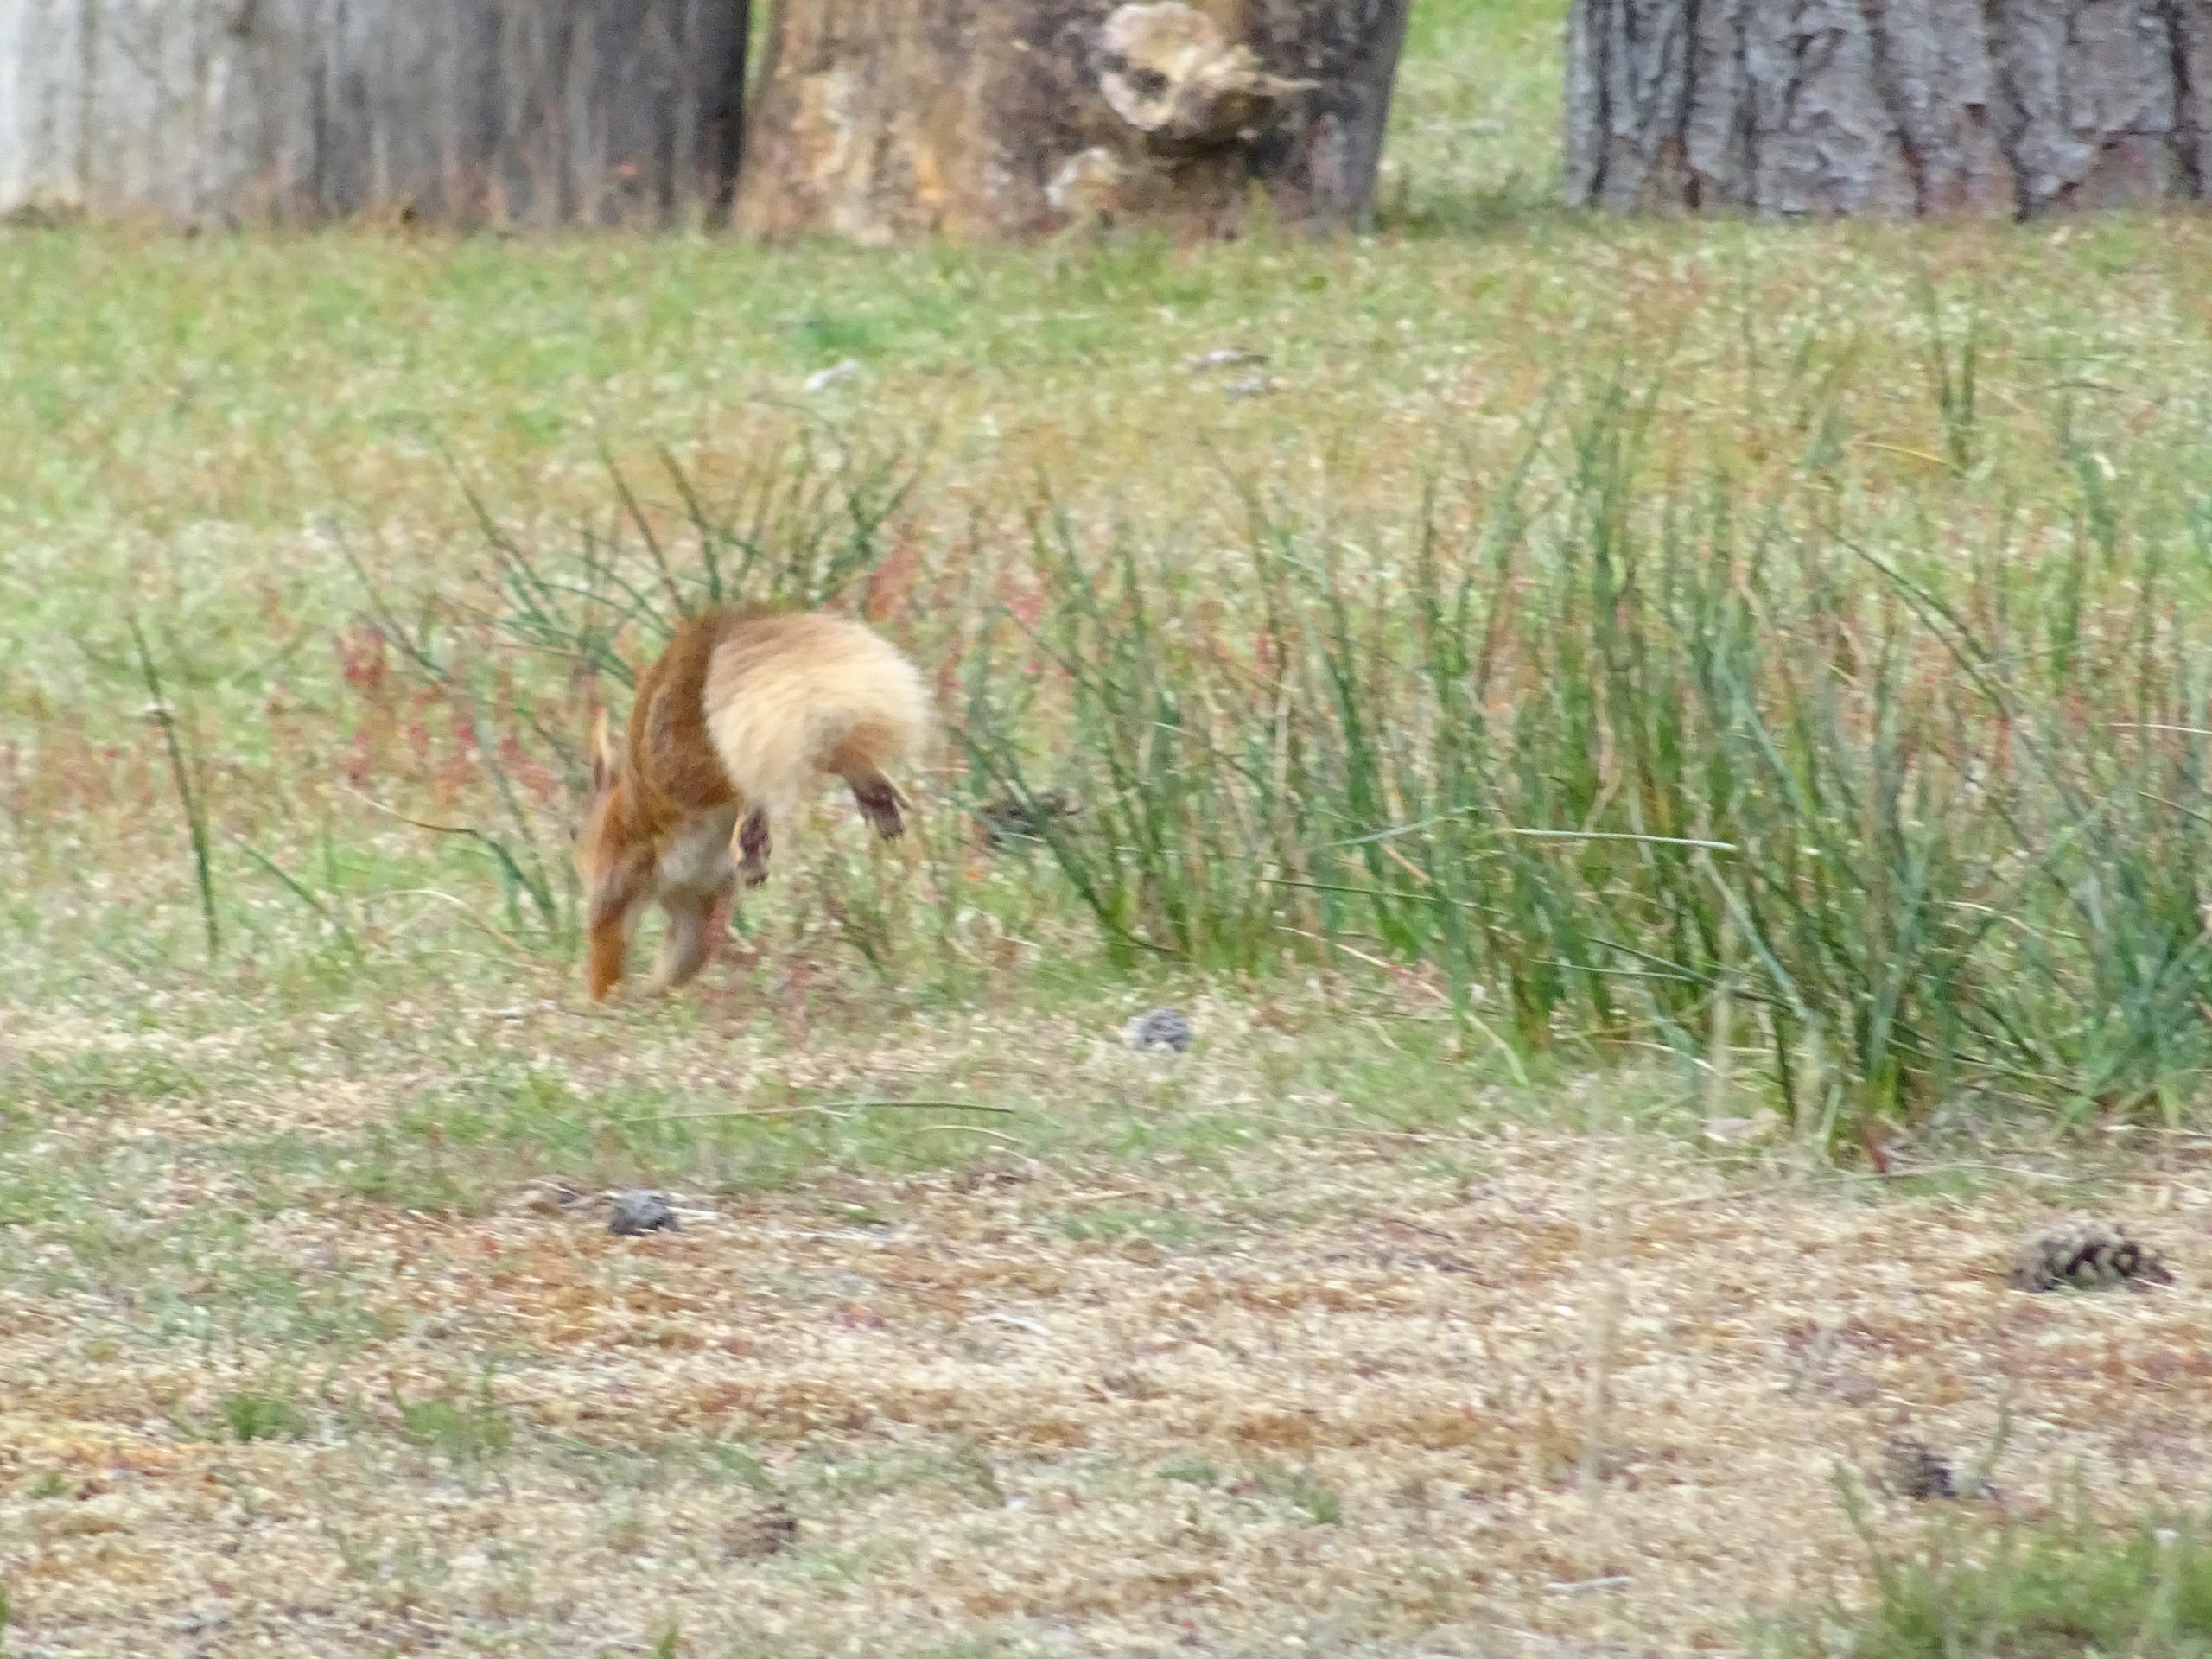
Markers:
{"x": 1984, "y": 108}
{"x": 881, "y": 120}
{"x": 460, "y": 110}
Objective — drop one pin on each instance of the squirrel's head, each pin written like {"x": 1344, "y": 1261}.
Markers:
{"x": 589, "y": 836}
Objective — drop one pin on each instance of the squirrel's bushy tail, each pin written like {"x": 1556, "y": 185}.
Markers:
{"x": 790, "y": 697}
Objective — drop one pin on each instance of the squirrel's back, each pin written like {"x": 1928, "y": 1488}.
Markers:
{"x": 790, "y": 695}
{"x": 669, "y": 761}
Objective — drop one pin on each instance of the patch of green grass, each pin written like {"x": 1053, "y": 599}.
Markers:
{"x": 262, "y": 1414}
{"x": 2066, "y": 1586}
{"x": 1810, "y": 371}
{"x": 465, "y": 1427}
{"x": 1191, "y": 1470}
{"x": 1300, "y": 1491}
{"x": 616, "y": 1102}
{"x": 654, "y": 1466}
{"x": 1474, "y": 139}
{"x": 199, "y": 1280}
{"x": 958, "y": 1467}
{"x": 739, "y": 1465}
{"x": 104, "y": 1079}
{"x": 405, "y": 1572}
{"x": 1109, "y": 1222}
{"x": 1570, "y": 760}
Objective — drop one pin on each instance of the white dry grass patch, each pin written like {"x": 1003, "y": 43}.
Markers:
{"x": 1334, "y": 1389}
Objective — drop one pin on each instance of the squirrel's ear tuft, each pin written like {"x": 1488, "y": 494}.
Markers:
{"x": 605, "y": 754}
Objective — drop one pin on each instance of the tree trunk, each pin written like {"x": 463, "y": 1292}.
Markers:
{"x": 881, "y": 120}
{"x": 603, "y": 110}
{"x": 1988, "y": 108}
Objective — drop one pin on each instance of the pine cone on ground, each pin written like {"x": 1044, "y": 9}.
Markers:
{"x": 1913, "y": 1469}
{"x": 1016, "y": 820}
{"x": 2087, "y": 1256}
{"x": 767, "y": 1531}
{"x": 1158, "y": 1028}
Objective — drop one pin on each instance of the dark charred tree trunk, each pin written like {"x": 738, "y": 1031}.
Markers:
{"x": 1988, "y": 108}
{"x": 468, "y": 111}
{"x": 884, "y": 119}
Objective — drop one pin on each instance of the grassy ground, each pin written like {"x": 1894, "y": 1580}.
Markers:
{"x": 1361, "y": 1329}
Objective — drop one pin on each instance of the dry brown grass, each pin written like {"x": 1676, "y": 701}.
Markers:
{"x": 1331, "y": 1389}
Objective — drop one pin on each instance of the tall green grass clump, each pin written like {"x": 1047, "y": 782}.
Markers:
{"x": 1622, "y": 747}
{"x": 1883, "y": 759}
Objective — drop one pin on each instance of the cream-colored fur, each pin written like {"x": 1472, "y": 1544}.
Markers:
{"x": 789, "y": 698}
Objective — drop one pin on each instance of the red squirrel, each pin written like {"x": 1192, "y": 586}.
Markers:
{"x": 743, "y": 714}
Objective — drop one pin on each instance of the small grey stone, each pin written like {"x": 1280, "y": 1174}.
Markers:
{"x": 1158, "y": 1028}
{"x": 640, "y": 1212}
{"x": 822, "y": 378}
{"x": 1226, "y": 357}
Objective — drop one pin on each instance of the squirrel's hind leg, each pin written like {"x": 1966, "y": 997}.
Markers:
{"x": 879, "y": 801}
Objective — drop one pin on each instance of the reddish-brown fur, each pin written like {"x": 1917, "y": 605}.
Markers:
{"x": 666, "y": 811}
